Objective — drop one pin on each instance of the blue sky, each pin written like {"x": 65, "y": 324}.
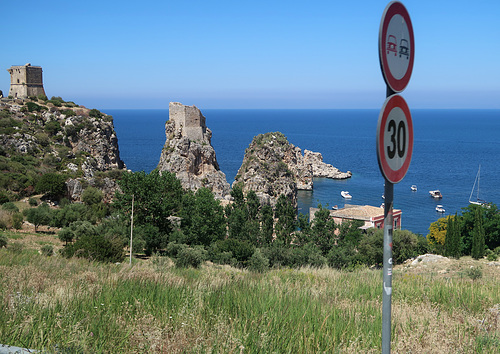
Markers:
{"x": 250, "y": 54}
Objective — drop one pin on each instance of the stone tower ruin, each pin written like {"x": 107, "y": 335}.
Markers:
{"x": 189, "y": 120}
{"x": 25, "y": 81}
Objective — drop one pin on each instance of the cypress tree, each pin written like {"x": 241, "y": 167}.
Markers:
{"x": 448, "y": 241}
{"x": 452, "y": 240}
{"x": 478, "y": 236}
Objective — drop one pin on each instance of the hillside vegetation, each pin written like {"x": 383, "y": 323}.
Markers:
{"x": 207, "y": 276}
{"x": 41, "y": 136}
{"x": 74, "y": 305}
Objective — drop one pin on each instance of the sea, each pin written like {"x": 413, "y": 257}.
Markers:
{"x": 449, "y": 148}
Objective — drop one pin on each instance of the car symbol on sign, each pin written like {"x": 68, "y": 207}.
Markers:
{"x": 403, "y": 48}
{"x": 391, "y": 44}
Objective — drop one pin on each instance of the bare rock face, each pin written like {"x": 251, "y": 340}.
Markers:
{"x": 321, "y": 169}
{"x": 188, "y": 151}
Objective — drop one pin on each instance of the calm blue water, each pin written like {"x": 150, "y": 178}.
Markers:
{"x": 448, "y": 148}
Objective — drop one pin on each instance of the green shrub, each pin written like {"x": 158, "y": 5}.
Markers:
{"x": 173, "y": 249}
{"x": 492, "y": 257}
{"x": 190, "y": 257}
{"x": 4, "y": 198}
{"x": 42, "y": 139}
{"x": 33, "y": 202}
{"x": 474, "y": 273}
{"x": 342, "y": 257}
{"x": 241, "y": 250}
{"x": 91, "y": 196}
{"x": 95, "y": 113}
{"x": 33, "y": 107}
{"x": 307, "y": 255}
{"x": 9, "y": 206}
{"x": 68, "y": 112}
{"x": 96, "y": 247}
{"x": 47, "y": 250}
{"x": 258, "y": 263}
{"x": 224, "y": 258}
{"x": 279, "y": 254}
{"x": 17, "y": 221}
{"x": 3, "y": 240}
{"x": 52, "y": 127}
{"x": 71, "y": 130}
{"x": 55, "y": 103}
{"x": 52, "y": 184}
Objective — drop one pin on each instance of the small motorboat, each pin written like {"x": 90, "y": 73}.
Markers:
{"x": 436, "y": 194}
{"x": 440, "y": 209}
{"x": 335, "y": 207}
{"x": 345, "y": 195}
{"x": 413, "y": 188}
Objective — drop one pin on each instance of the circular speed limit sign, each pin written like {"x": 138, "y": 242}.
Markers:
{"x": 394, "y": 138}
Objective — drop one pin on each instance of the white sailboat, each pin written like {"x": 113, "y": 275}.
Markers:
{"x": 477, "y": 201}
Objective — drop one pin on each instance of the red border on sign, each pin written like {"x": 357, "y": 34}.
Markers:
{"x": 395, "y": 8}
{"x": 393, "y": 176}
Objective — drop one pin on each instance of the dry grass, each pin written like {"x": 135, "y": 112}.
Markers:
{"x": 155, "y": 307}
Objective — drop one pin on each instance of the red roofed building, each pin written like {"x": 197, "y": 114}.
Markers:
{"x": 370, "y": 215}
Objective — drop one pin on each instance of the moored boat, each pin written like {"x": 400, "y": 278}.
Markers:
{"x": 436, "y": 194}
{"x": 477, "y": 201}
{"x": 345, "y": 195}
{"x": 413, "y": 188}
{"x": 440, "y": 209}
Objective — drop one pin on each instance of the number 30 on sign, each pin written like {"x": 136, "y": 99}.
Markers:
{"x": 394, "y": 138}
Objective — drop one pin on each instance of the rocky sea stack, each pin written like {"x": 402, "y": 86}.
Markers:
{"x": 188, "y": 151}
{"x": 272, "y": 166}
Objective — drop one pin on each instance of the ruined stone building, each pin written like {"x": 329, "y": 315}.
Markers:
{"x": 190, "y": 120}
{"x": 25, "y": 81}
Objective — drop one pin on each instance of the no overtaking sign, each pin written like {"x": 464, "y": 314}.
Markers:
{"x": 396, "y": 46}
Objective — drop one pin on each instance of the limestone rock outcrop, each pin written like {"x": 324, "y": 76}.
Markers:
{"x": 272, "y": 166}
{"x": 77, "y": 141}
{"x": 321, "y": 169}
{"x": 188, "y": 151}
{"x": 265, "y": 169}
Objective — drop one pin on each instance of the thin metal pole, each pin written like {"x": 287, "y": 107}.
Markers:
{"x": 131, "y": 229}
{"x": 387, "y": 278}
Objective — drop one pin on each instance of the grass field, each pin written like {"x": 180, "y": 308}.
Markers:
{"x": 78, "y": 306}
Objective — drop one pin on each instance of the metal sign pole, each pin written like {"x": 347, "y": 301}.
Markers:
{"x": 395, "y": 37}
{"x": 387, "y": 278}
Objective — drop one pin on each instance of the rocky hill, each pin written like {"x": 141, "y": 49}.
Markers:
{"x": 272, "y": 166}
{"x": 40, "y": 136}
{"x": 188, "y": 151}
